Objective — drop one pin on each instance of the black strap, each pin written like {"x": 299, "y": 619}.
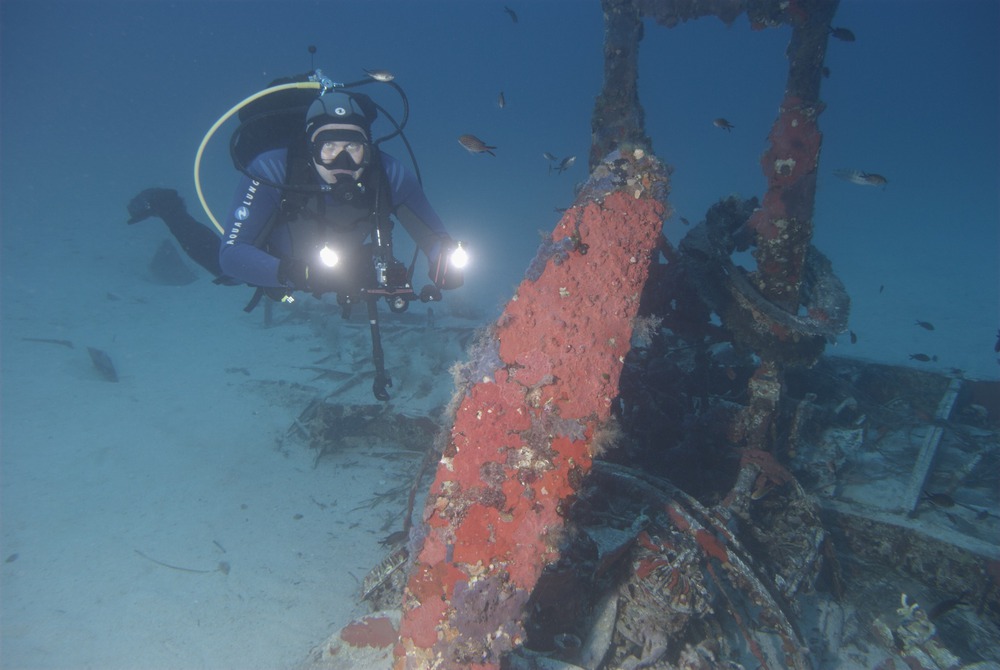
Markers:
{"x": 257, "y": 295}
{"x": 382, "y": 380}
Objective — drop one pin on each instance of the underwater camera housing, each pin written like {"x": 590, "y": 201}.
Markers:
{"x": 392, "y": 282}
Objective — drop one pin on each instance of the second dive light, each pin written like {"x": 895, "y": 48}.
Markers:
{"x": 459, "y": 257}
{"x": 328, "y": 256}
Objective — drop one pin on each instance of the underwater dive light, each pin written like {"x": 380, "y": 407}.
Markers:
{"x": 328, "y": 256}
{"x": 459, "y": 257}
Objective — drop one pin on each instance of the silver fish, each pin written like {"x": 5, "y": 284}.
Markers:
{"x": 861, "y": 178}
{"x": 501, "y": 101}
{"x": 475, "y": 145}
{"x": 549, "y": 157}
{"x": 380, "y": 75}
{"x": 722, "y": 123}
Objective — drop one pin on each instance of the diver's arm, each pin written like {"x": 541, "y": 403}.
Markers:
{"x": 419, "y": 219}
{"x": 253, "y": 205}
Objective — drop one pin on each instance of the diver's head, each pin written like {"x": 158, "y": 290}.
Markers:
{"x": 338, "y": 126}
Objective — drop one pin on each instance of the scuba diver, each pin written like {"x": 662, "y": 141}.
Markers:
{"x": 314, "y": 216}
{"x": 318, "y": 243}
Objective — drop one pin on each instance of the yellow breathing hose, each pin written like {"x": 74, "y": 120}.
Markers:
{"x": 225, "y": 117}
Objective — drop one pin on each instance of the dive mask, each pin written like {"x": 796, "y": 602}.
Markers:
{"x": 342, "y": 160}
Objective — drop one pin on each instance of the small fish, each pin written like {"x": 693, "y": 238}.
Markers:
{"x": 102, "y": 362}
{"x": 511, "y": 13}
{"x": 380, "y": 75}
{"x": 996, "y": 347}
{"x": 842, "y": 34}
{"x": 924, "y": 358}
{"x": 549, "y": 157}
{"x": 685, "y": 221}
{"x": 475, "y": 145}
{"x": 564, "y": 165}
{"x": 854, "y": 337}
{"x": 722, "y": 123}
{"x": 926, "y": 325}
{"x": 861, "y": 178}
{"x": 881, "y": 288}
{"x": 825, "y": 72}
{"x": 501, "y": 101}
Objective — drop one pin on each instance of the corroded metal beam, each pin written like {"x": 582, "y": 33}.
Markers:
{"x": 540, "y": 388}
{"x": 618, "y": 117}
{"x": 784, "y": 223}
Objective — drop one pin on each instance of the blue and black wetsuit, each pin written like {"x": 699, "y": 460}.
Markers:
{"x": 256, "y": 242}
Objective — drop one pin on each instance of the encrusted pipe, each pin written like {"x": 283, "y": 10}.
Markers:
{"x": 541, "y": 386}
{"x": 784, "y": 222}
{"x": 618, "y": 117}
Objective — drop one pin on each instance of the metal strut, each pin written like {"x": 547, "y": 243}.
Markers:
{"x": 382, "y": 380}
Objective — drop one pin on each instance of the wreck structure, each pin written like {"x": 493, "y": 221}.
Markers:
{"x": 550, "y": 532}
{"x": 543, "y": 382}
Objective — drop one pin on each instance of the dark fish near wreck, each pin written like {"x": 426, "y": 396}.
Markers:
{"x": 926, "y": 325}
{"x": 103, "y": 364}
{"x": 842, "y": 34}
{"x": 923, "y": 358}
{"x": 475, "y": 145}
{"x": 722, "y": 123}
{"x": 854, "y": 337}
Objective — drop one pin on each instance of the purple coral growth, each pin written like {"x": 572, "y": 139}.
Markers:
{"x": 488, "y": 619}
{"x": 557, "y": 251}
{"x": 484, "y": 360}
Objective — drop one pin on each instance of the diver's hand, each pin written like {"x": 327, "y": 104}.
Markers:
{"x": 453, "y": 279}
{"x": 430, "y": 293}
{"x": 293, "y": 273}
{"x": 300, "y": 276}
{"x": 441, "y": 271}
